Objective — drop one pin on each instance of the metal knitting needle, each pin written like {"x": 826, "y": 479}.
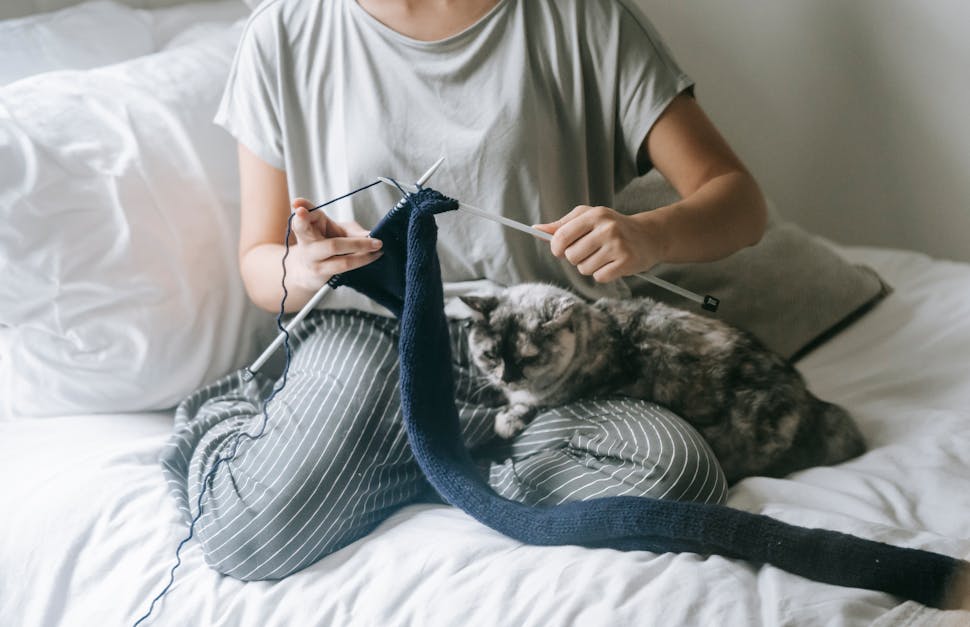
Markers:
{"x": 708, "y": 302}
{"x": 323, "y": 291}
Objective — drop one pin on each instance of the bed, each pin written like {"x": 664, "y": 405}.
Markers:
{"x": 91, "y": 530}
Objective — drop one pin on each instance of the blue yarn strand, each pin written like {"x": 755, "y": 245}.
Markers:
{"x": 207, "y": 481}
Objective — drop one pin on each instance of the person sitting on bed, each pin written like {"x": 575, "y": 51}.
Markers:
{"x": 543, "y": 109}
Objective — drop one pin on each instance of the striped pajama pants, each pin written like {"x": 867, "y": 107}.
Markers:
{"x": 333, "y": 460}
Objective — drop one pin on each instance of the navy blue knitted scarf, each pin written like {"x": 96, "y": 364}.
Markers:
{"x": 407, "y": 280}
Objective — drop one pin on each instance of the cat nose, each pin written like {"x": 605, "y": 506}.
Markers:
{"x": 510, "y": 374}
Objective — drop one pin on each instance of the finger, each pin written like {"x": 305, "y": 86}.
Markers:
{"x": 302, "y": 202}
{"x": 594, "y": 262}
{"x": 346, "y": 263}
{"x": 326, "y": 226}
{"x": 332, "y": 246}
{"x": 319, "y": 219}
{"x": 304, "y": 228}
{"x": 609, "y": 272}
{"x": 322, "y": 223}
{"x": 331, "y": 228}
{"x": 550, "y": 227}
{"x": 353, "y": 229}
{"x": 574, "y": 213}
{"x": 583, "y": 247}
{"x": 569, "y": 233}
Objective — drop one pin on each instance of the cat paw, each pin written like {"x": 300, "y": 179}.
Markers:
{"x": 511, "y": 421}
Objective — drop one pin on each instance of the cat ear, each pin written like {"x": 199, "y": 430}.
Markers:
{"x": 481, "y": 304}
{"x": 561, "y": 316}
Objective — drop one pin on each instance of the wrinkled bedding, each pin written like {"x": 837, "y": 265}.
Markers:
{"x": 90, "y": 531}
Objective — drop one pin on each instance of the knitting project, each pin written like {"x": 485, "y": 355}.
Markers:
{"x": 407, "y": 280}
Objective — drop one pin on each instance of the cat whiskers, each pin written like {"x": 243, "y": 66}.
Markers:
{"x": 474, "y": 395}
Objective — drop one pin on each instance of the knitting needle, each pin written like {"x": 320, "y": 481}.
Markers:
{"x": 323, "y": 291}
{"x": 708, "y": 302}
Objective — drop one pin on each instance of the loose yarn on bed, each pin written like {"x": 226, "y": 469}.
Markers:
{"x": 407, "y": 280}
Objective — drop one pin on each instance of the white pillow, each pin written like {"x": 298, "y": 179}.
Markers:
{"x": 119, "y": 214}
{"x": 5, "y": 411}
{"x": 179, "y": 25}
{"x": 85, "y": 36}
{"x": 18, "y": 8}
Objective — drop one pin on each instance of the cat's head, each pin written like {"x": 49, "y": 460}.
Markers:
{"x": 525, "y": 337}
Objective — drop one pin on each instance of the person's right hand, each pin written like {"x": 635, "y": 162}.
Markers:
{"x": 324, "y": 248}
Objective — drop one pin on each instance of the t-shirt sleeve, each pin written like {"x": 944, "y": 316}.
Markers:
{"x": 249, "y": 108}
{"x": 648, "y": 79}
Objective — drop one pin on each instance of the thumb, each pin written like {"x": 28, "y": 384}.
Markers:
{"x": 552, "y": 227}
{"x": 302, "y": 202}
{"x": 353, "y": 229}
{"x": 310, "y": 224}
{"x": 306, "y": 226}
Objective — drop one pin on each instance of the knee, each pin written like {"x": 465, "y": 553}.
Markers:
{"x": 254, "y": 528}
{"x": 271, "y": 540}
{"x": 650, "y": 451}
{"x": 679, "y": 454}
{"x": 698, "y": 476}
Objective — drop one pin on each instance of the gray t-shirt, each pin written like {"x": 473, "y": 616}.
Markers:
{"x": 539, "y": 106}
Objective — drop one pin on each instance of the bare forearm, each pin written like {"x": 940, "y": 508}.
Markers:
{"x": 723, "y": 216}
{"x": 262, "y": 272}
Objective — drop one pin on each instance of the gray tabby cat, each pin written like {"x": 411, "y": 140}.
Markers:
{"x": 542, "y": 345}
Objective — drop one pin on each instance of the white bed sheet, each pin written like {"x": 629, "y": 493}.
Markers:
{"x": 91, "y": 531}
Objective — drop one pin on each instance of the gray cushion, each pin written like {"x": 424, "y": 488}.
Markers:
{"x": 790, "y": 290}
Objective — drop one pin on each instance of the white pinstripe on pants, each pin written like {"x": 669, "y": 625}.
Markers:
{"x": 334, "y": 461}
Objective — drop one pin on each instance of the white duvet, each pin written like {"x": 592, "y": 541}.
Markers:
{"x": 90, "y": 530}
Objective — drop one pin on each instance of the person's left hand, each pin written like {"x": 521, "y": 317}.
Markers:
{"x": 603, "y": 243}
{"x": 354, "y": 229}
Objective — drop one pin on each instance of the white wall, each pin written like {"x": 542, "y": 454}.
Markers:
{"x": 854, "y": 115}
